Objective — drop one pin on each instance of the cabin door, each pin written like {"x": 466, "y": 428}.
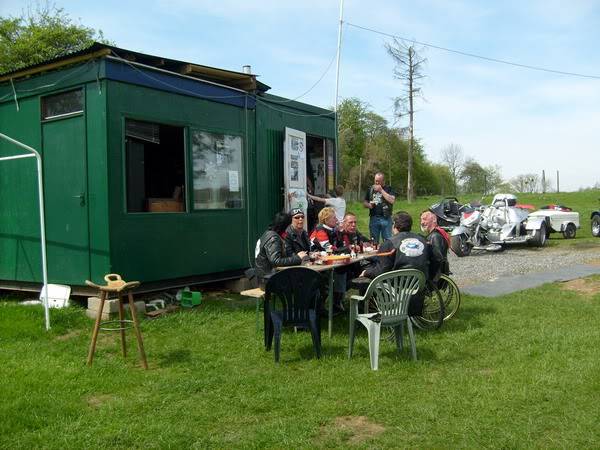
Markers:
{"x": 65, "y": 195}
{"x": 294, "y": 172}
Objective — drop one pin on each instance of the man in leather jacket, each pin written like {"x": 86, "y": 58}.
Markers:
{"x": 439, "y": 241}
{"x": 270, "y": 248}
{"x": 409, "y": 251}
{"x": 348, "y": 234}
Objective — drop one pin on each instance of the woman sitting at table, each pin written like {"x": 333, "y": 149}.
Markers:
{"x": 270, "y": 251}
{"x": 324, "y": 236}
{"x": 296, "y": 238}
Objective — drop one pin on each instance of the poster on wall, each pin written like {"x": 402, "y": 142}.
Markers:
{"x": 318, "y": 167}
{"x": 330, "y": 164}
{"x": 294, "y": 171}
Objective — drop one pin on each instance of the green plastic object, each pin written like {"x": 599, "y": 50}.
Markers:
{"x": 189, "y": 299}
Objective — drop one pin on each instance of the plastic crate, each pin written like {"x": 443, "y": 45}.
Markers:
{"x": 190, "y": 299}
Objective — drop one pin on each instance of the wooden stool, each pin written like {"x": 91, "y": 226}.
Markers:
{"x": 115, "y": 285}
{"x": 258, "y": 294}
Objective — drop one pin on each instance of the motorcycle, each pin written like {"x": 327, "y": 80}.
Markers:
{"x": 448, "y": 212}
{"x": 493, "y": 226}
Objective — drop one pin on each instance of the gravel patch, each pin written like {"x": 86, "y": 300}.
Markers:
{"x": 482, "y": 266}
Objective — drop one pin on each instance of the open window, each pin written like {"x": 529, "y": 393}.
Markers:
{"x": 155, "y": 164}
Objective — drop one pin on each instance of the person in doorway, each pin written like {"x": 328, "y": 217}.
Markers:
{"x": 296, "y": 239}
{"x": 380, "y": 200}
{"x": 336, "y": 201}
{"x": 407, "y": 250}
{"x": 439, "y": 241}
{"x": 311, "y": 210}
{"x": 323, "y": 237}
{"x": 270, "y": 248}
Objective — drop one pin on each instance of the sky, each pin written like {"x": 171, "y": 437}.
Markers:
{"x": 522, "y": 120}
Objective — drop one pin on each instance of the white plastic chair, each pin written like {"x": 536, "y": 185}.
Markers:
{"x": 388, "y": 295}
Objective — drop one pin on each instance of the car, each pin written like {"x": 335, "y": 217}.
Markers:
{"x": 561, "y": 219}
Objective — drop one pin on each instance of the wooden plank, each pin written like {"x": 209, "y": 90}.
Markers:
{"x": 55, "y": 65}
{"x": 256, "y": 293}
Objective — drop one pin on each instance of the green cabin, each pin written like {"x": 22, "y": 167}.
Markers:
{"x": 161, "y": 170}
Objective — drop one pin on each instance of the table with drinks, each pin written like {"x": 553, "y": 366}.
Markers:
{"x": 323, "y": 261}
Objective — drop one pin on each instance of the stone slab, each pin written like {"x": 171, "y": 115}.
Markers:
{"x": 508, "y": 285}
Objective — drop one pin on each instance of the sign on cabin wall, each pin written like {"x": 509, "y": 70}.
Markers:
{"x": 294, "y": 157}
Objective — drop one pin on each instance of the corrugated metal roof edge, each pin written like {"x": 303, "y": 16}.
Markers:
{"x": 282, "y": 102}
{"x": 99, "y": 46}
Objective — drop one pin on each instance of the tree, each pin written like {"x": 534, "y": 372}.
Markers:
{"x": 453, "y": 157}
{"x": 477, "y": 178}
{"x": 526, "y": 183}
{"x": 408, "y": 70}
{"x": 46, "y": 33}
{"x": 473, "y": 177}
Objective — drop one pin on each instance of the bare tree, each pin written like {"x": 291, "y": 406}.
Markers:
{"x": 453, "y": 157}
{"x": 409, "y": 67}
{"x": 526, "y": 183}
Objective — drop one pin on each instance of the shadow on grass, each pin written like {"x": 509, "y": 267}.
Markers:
{"x": 468, "y": 317}
{"x": 174, "y": 357}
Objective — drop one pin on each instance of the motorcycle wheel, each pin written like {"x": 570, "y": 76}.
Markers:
{"x": 539, "y": 236}
{"x": 460, "y": 245}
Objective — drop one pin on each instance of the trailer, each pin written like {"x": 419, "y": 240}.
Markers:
{"x": 561, "y": 219}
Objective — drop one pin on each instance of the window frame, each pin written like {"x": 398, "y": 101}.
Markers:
{"x": 242, "y": 171}
{"x": 44, "y": 98}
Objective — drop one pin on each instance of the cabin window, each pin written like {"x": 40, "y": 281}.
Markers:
{"x": 217, "y": 170}
{"x": 155, "y": 167}
{"x": 63, "y": 104}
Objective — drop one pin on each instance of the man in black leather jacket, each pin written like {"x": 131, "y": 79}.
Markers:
{"x": 410, "y": 251}
{"x": 270, "y": 248}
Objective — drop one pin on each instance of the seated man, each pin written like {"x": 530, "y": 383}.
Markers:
{"x": 348, "y": 234}
{"x": 439, "y": 241}
{"x": 270, "y": 251}
{"x": 409, "y": 251}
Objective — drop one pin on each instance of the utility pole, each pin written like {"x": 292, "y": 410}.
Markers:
{"x": 543, "y": 181}
{"x": 557, "y": 182}
{"x": 359, "y": 179}
{"x": 337, "y": 80}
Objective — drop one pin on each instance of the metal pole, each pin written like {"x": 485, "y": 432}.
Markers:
{"x": 337, "y": 80}
{"x": 42, "y": 220}
{"x": 358, "y": 194}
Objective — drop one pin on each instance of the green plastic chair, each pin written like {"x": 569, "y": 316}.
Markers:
{"x": 386, "y": 304}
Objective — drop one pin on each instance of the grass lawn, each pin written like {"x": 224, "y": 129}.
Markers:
{"x": 510, "y": 372}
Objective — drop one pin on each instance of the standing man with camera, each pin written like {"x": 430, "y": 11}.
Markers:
{"x": 380, "y": 200}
